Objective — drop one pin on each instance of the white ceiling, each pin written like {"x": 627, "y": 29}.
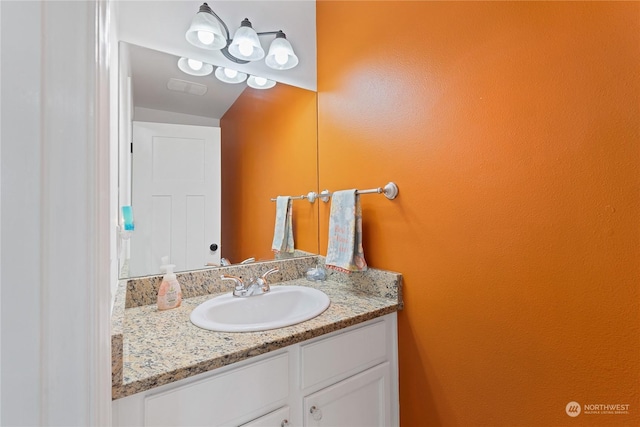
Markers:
{"x": 150, "y": 73}
{"x": 161, "y": 26}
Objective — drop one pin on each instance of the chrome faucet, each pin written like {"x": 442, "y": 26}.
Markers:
{"x": 256, "y": 286}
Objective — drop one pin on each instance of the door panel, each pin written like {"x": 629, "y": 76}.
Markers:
{"x": 175, "y": 196}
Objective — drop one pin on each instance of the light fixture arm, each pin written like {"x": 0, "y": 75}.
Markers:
{"x": 276, "y": 33}
{"x": 227, "y": 54}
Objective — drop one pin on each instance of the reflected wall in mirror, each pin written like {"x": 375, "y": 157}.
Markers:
{"x": 267, "y": 147}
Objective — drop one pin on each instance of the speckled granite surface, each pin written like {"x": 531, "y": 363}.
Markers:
{"x": 144, "y": 290}
{"x": 117, "y": 320}
{"x": 159, "y": 347}
{"x": 382, "y": 283}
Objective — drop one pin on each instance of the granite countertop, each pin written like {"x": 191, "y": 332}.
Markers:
{"x": 151, "y": 348}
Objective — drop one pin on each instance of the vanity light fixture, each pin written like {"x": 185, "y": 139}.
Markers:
{"x": 229, "y": 75}
{"x": 260, "y": 82}
{"x": 208, "y": 31}
{"x": 194, "y": 67}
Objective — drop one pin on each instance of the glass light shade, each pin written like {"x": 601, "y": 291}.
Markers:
{"x": 228, "y": 75}
{"x": 281, "y": 56}
{"x": 260, "y": 82}
{"x": 245, "y": 44}
{"x": 187, "y": 66}
{"x": 204, "y": 28}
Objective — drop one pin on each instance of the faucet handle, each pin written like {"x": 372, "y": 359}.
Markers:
{"x": 236, "y": 281}
{"x": 268, "y": 273}
{"x": 262, "y": 280}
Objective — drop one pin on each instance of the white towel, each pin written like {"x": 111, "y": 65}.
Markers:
{"x": 283, "y": 231}
{"x": 345, "y": 233}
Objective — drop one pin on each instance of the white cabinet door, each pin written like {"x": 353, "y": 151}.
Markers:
{"x": 278, "y": 418}
{"x": 362, "y": 400}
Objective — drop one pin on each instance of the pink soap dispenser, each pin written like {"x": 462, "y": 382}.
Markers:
{"x": 169, "y": 293}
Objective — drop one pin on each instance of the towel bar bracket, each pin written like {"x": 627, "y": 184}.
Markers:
{"x": 390, "y": 190}
{"x": 312, "y": 196}
{"x": 325, "y": 195}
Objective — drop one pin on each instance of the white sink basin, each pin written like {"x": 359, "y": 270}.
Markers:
{"x": 281, "y": 306}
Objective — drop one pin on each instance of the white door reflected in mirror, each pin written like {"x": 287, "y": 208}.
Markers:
{"x": 175, "y": 196}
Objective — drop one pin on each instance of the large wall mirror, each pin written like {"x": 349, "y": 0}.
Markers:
{"x": 263, "y": 144}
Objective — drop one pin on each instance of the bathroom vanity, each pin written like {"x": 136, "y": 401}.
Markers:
{"x": 339, "y": 368}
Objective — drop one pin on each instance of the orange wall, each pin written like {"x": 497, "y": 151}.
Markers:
{"x": 261, "y": 133}
{"x": 512, "y": 131}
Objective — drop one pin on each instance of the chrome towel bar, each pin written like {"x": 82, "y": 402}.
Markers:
{"x": 310, "y": 196}
{"x": 390, "y": 191}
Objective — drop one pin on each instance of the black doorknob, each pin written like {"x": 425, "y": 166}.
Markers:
{"x": 213, "y": 247}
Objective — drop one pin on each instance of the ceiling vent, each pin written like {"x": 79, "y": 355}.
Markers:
{"x": 186, "y": 87}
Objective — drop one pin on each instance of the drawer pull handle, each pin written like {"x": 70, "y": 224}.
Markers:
{"x": 284, "y": 423}
{"x": 316, "y": 413}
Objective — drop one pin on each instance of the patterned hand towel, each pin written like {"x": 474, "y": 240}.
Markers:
{"x": 283, "y": 231}
{"x": 345, "y": 233}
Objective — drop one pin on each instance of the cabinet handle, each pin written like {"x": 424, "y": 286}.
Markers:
{"x": 284, "y": 423}
{"x": 316, "y": 413}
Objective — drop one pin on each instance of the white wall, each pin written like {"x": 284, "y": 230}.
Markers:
{"x": 54, "y": 218}
{"x": 141, "y": 114}
{"x": 20, "y": 226}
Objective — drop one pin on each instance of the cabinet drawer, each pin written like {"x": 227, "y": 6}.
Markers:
{"x": 215, "y": 400}
{"x": 327, "y": 359}
{"x": 278, "y": 418}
